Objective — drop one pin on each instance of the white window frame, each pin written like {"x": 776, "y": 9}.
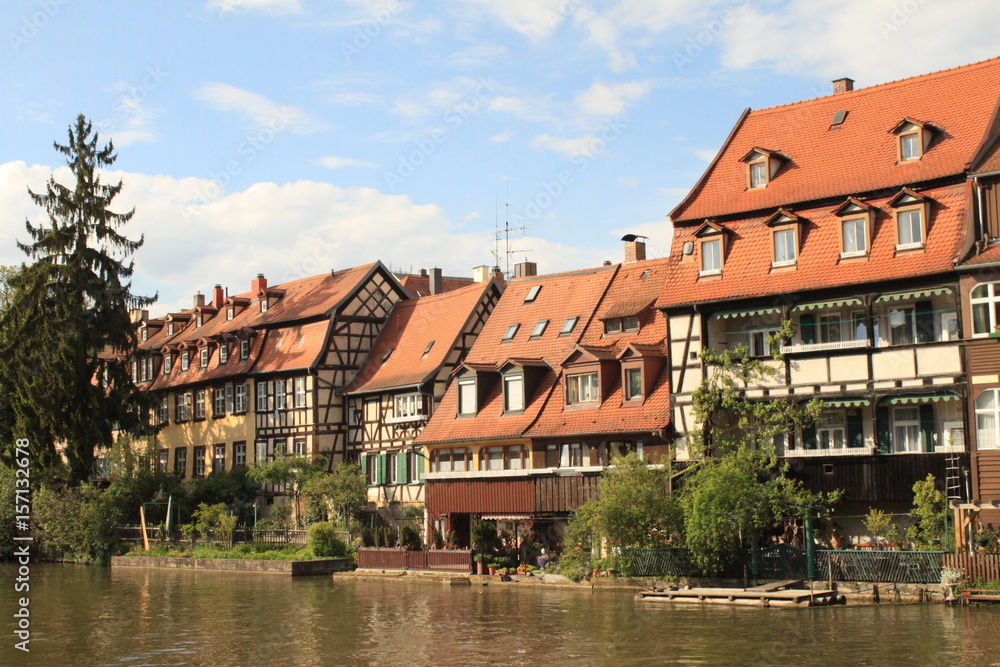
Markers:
{"x": 758, "y": 174}
{"x": 230, "y": 313}
{"x": 300, "y": 392}
{"x": 467, "y": 397}
{"x": 219, "y": 462}
{"x": 260, "y": 393}
{"x": 903, "y": 442}
{"x": 203, "y": 354}
{"x": 757, "y": 342}
{"x": 185, "y": 361}
{"x": 299, "y": 447}
{"x": 910, "y": 147}
{"x": 631, "y": 373}
{"x": 831, "y": 426}
{"x": 199, "y": 404}
{"x": 230, "y": 399}
{"x": 987, "y": 439}
{"x": 280, "y": 402}
{"x": 223, "y": 353}
{"x": 914, "y": 227}
{"x": 786, "y": 252}
{"x": 583, "y": 388}
{"x": 244, "y": 350}
{"x": 239, "y": 454}
{"x": 219, "y": 402}
{"x": 711, "y": 260}
{"x": 407, "y": 407}
{"x": 513, "y": 393}
{"x": 991, "y": 303}
{"x": 241, "y": 397}
{"x": 168, "y": 362}
{"x": 856, "y": 241}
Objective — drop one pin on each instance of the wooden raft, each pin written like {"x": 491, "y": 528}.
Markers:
{"x": 775, "y": 594}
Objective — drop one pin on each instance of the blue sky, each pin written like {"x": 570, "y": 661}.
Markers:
{"x": 293, "y": 136}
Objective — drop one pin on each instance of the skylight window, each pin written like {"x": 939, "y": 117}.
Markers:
{"x": 539, "y": 328}
{"x": 511, "y": 332}
{"x": 532, "y": 293}
{"x": 568, "y": 325}
{"x": 838, "y": 118}
{"x": 427, "y": 350}
{"x": 385, "y": 357}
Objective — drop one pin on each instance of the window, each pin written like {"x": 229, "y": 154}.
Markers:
{"x": 859, "y": 330}
{"x": 244, "y": 350}
{"x": 181, "y": 407}
{"x": 902, "y": 330}
{"x": 451, "y": 460}
{"x": 142, "y": 334}
{"x": 512, "y": 457}
{"x": 164, "y": 410}
{"x": 466, "y": 397}
{"x": 630, "y": 324}
{"x": 230, "y": 402}
{"x": 906, "y": 430}
{"x": 909, "y": 229}
{"x": 204, "y": 358}
{"x": 582, "y": 388}
{"x": 198, "y": 458}
{"x": 219, "y": 402}
{"x": 299, "y": 447}
{"x": 180, "y": 461}
{"x": 785, "y": 252}
{"x": 758, "y": 342}
{"x": 427, "y": 350}
{"x": 279, "y": 394}
{"x": 263, "y": 306}
{"x": 261, "y": 393}
{"x": 987, "y": 419}
{"x": 199, "y": 404}
{"x": 371, "y": 468}
{"x": 568, "y": 325}
{"x": 831, "y": 430}
{"x": 633, "y": 384}
{"x": 574, "y": 455}
{"x": 985, "y": 300}
{"x": 168, "y": 362}
{"x": 539, "y": 328}
{"x": 229, "y": 316}
{"x": 513, "y": 393}
{"x": 532, "y": 293}
{"x": 201, "y": 320}
{"x": 855, "y": 235}
{"x": 219, "y": 460}
{"x": 260, "y": 452}
{"x": 829, "y": 328}
{"x": 241, "y": 398}
{"x": 223, "y": 354}
{"x": 909, "y": 146}
{"x": 300, "y": 392}
{"x": 164, "y": 458}
{"x": 612, "y": 326}
{"x": 170, "y": 328}
{"x": 511, "y": 332}
{"x": 408, "y": 406}
{"x": 711, "y": 257}
{"x": 758, "y": 174}
{"x": 185, "y": 361}
{"x": 239, "y": 454}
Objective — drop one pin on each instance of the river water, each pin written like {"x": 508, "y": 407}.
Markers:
{"x": 95, "y": 616}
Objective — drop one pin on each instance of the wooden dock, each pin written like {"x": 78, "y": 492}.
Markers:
{"x": 775, "y": 594}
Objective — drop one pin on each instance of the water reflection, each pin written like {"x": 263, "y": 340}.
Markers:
{"x": 93, "y": 616}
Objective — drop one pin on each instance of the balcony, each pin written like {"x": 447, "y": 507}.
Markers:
{"x": 823, "y": 347}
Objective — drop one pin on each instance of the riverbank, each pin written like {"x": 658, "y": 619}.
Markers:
{"x": 294, "y": 568}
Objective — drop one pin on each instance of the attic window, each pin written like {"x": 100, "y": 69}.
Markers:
{"x": 838, "y": 118}
{"x": 613, "y": 326}
{"x": 170, "y": 328}
{"x": 762, "y": 166}
{"x": 388, "y": 353}
{"x": 532, "y": 293}
{"x": 539, "y": 328}
{"x": 914, "y": 138}
{"x": 645, "y": 274}
{"x": 263, "y": 305}
{"x": 229, "y": 313}
{"x": 427, "y": 350}
{"x": 630, "y": 324}
{"x": 142, "y": 334}
{"x": 568, "y": 325}
{"x": 201, "y": 321}
{"x": 758, "y": 174}
{"x": 511, "y": 332}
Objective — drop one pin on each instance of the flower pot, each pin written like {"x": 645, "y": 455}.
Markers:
{"x": 492, "y": 570}
{"x": 481, "y": 567}
{"x": 982, "y": 542}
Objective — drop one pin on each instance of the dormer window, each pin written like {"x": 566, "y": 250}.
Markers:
{"x": 223, "y": 353}
{"x": 785, "y": 238}
{"x": 630, "y": 324}
{"x": 913, "y": 138}
{"x": 513, "y": 393}
{"x": 204, "y": 358}
{"x": 762, "y": 166}
{"x": 201, "y": 321}
{"x": 758, "y": 174}
{"x": 230, "y": 312}
{"x": 510, "y": 333}
{"x": 909, "y": 146}
{"x": 712, "y": 249}
{"x": 244, "y": 350}
{"x": 168, "y": 362}
{"x": 467, "y": 397}
{"x": 185, "y": 361}
{"x": 263, "y": 306}
{"x": 170, "y": 328}
{"x": 142, "y": 334}
{"x": 856, "y": 222}
{"x": 612, "y": 327}
{"x": 582, "y": 388}
{"x": 633, "y": 384}
{"x": 910, "y": 210}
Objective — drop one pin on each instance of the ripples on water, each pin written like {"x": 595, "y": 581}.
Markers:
{"x": 93, "y": 616}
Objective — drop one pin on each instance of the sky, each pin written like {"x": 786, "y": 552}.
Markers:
{"x": 291, "y": 137}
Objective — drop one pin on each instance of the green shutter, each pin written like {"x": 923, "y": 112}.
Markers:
{"x": 381, "y": 469}
{"x": 927, "y": 426}
{"x": 807, "y": 327}
{"x": 418, "y": 469}
{"x": 402, "y": 466}
{"x": 855, "y": 429}
{"x": 809, "y": 437}
{"x": 925, "y": 322}
{"x": 364, "y": 467}
{"x": 884, "y": 431}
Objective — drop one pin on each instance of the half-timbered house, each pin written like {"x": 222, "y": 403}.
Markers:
{"x": 846, "y": 215}
{"x": 568, "y": 372}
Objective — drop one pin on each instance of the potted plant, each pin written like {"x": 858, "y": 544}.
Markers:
{"x": 481, "y": 563}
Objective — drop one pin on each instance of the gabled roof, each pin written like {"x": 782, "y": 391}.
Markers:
{"x": 857, "y": 156}
{"x": 413, "y": 325}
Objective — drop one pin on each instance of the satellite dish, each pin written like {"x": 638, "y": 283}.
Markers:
{"x": 688, "y": 247}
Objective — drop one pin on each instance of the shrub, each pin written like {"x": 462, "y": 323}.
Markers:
{"x": 324, "y": 542}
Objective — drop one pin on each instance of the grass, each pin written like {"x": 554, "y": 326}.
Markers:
{"x": 254, "y": 551}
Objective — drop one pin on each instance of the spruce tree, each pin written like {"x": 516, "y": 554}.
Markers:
{"x": 66, "y": 336}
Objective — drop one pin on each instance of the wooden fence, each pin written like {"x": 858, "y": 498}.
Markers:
{"x": 975, "y": 566}
{"x": 458, "y": 561}
{"x": 278, "y": 537}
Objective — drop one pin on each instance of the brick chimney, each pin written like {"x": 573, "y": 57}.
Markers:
{"x": 199, "y": 299}
{"x": 435, "y": 281}
{"x": 635, "y": 251}
{"x": 423, "y": 273}
{"x": 257, "y": 284}
{"x": 218, "y": 296}
{"x": 498, "y": 274}
{"x": 525, "y": 269}
{"x": 844, "y": 85}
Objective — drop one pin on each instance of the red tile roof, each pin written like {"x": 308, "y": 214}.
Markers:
{"x": 988, "y": 257}
{"x": 857, "y": 156}
{"x": 295, "y": 347}
{"x": 414, "y": 324}
{"x": 420, "y": 286}
{"x": 747, "y": 267}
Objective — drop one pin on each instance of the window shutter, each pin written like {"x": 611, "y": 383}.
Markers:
{"x": 807, "y": 327}
{"x": 381, "y": 469}
{"x": 855, "y": 429}
{"x": 809, "y": 437}
{"x": 418, "y": 469}
{"x": 927, "y": 426}
{"x": 364, "y": 466}
{"x": 402, "y": 461}
{"x": 925, "y": 322}
{"x": 884, "y": 431}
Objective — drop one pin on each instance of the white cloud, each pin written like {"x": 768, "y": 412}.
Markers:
{"x": 261, "y": 111}
{"x": 464, "y": 95}
{"x": 534, "y": 19}
{"x": 502, "y": 137}
{"x": 659, "y": 233}
{"x": 610, "y": 100}
{"x": 586, "y": 146}
{"x": 269, "y": 6}
{"x": 340, "y": 162}
{"x": 706, "y": 154}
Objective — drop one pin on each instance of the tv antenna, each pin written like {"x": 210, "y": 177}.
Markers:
{"x": 503, "y": 233}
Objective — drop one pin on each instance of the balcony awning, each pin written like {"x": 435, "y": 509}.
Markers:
{"x": 916, "y": 294}
{"x": 924, "y": 398}
{"x": 836, "y": 303}
{"x": 848, "y": 403}
{"x": 745, "y": 313}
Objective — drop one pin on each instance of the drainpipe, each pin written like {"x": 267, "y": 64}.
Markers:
{"x": 979, "y": 210}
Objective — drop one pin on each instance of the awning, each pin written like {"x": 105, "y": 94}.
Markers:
{"x": 925, "y": 398}
{"x": 836, "y": 303}
{"x": 745, "y": 313}
{"x": 507, "y": 517}
{"x": 916, "y": 294}
{"x": 848, "y": 403}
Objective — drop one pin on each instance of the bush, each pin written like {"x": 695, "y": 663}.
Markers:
{"x": 74, "y": 525}
{"x": 324, "y": 542}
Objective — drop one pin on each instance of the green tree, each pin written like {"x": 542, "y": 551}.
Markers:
{"x": 291, "y": 472}
{"x": 65, "y": 333}
{"x": 930, "y": 509}
{"x": 343, "y": 491}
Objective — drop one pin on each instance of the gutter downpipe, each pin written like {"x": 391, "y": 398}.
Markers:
{"x": 979, "y": 208}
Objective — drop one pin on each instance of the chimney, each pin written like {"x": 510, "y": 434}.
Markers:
{"x": 844, "y": 85}
{"x": 423, "y": 273}
{"x": 137, "y": 315}
{"x": 218, "y": 296}
{"x": 435, "y": 281}
{"x": 481, "y": 274}
{"x": 199, "y": 299}
{"x": 498, "y": 274}
{"x": 257, "y": 284}
{"x": 607, "y": 262}
{"x": 525, "y": 269}
{"x": 635, "y": 251}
